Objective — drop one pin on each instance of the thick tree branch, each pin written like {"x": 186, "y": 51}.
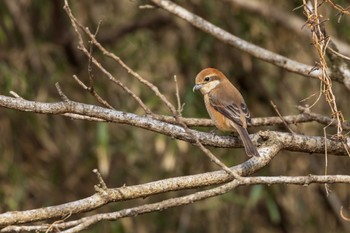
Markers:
{"x": 141, "y": 191}
{"x": 293, "y": 142}
{"x": 83, "y": 223}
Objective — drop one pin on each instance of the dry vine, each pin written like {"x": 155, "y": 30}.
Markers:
{"x": 321, "y": 42}
{"x": 342, "y": 11}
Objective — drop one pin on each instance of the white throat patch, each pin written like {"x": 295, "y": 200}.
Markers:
{"x": 209, "y": 86}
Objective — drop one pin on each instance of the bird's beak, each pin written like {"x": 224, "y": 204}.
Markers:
{"x": 197, "y": 87}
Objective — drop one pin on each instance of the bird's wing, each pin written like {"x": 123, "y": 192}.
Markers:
{"x": 236, "y": 112}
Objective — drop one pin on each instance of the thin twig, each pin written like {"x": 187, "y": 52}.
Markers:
{"x": 339, "y": 8}
{"x": 339, "y": 54}
{"x": 100, "y": 179}
{"x": 15, "y": 95}
{"x": 81, "y": 46}
{"x": 281, "y": 117}
{"x": 326, "y": 157}
{"x": 55, "y": 224}
{"x": 60, "y": 92}
{"x": 83, "y": 117}
{"x": 86, "y": 30}
{"x": 179, "y": 105}
{"x": 92, "y": 91}
{"x": 91, "y": 88}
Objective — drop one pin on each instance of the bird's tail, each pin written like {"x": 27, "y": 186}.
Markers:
{"x": 250, "y": 149}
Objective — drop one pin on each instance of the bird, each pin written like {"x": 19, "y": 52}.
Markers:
{"x": 225, "y": 105}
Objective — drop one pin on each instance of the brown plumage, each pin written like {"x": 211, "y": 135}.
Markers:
{"x": 225, "y": 105}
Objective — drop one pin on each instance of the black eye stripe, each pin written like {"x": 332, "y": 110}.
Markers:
{"x": 209, "y": 78}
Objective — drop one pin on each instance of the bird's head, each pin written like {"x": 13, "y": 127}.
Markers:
{"x": 207, "y": 80}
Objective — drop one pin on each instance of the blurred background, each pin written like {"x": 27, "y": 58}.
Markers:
{"x": 48, "y": 160}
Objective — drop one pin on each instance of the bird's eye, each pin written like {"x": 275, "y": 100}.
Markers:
{"x": 206, "y": 79}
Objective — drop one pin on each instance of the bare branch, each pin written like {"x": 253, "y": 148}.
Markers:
{"x": 83, "y": 223}
{"x": 15, "y": 94}
{"x": 141, "y": 191}
{"x": 82, "y": 47}
{"x": 81, "y": 117}
{"x": 101, "y": 182}
{"x": 295, "y": 142}
{"x": 306, "y": 116}
{"x": 60, "y": 92}
{"x": 280, "y": 116}
{"x": 92, "y": 91}
{"x": 325, "y": 120}
{"x": 282, "y": 17}
{"x": 339, "y": 54}
{"x": 256, "y": 51}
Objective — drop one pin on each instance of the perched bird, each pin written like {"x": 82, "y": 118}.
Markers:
{"x": 225, "y": 105}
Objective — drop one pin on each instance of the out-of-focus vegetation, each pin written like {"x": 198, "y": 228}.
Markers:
{"x": 46, "y": 160}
